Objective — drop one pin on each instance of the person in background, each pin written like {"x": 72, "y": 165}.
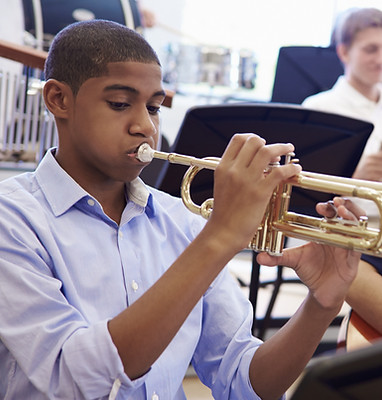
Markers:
{"x": 109, "y": 287}
{"x": 148, "y": 17}
{"x": 357, "y": 37}
{"x": 357, "y": 94}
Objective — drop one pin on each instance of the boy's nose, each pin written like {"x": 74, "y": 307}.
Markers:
{"x": 143, "y": 125}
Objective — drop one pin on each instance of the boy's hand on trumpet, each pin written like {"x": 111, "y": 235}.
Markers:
{"x": 327, "y": 271}
{"x": 242, "y": 189}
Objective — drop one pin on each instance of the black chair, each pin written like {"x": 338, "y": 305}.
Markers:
{"x": 302, "y": 71}
{"x": 355, "y": 375}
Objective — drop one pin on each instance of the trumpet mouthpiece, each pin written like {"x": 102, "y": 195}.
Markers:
{"x": 145, "y": 153}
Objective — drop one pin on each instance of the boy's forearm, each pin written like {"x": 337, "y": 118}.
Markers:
{"x": 281, "y": 359}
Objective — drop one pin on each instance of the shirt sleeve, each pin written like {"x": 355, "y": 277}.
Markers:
{"x": 53, "y": 346}
{"x": 226, "y": 346}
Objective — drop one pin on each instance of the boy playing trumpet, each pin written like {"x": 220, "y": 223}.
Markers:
{"x": 110, "y": 288}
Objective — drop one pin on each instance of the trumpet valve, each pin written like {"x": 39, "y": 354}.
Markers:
{"x": 363, "y": 221}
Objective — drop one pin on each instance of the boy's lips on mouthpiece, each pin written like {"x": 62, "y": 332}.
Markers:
{"x": 134, "y": 153}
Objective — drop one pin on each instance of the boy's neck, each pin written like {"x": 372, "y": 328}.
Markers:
{"x": 112, "y": 200}
{"x": 109, "y": 193}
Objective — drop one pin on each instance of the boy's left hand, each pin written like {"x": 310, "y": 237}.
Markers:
{"x": 327, "y": 271}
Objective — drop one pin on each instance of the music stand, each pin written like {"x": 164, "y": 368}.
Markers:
{"x": 324, "y": 142}
{"x": 355, "y": 375}
{"x": 302, "y": 71}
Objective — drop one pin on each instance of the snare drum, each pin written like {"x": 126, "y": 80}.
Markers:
{"x": 191, "y": 64}
{"x": 214, "y": 65}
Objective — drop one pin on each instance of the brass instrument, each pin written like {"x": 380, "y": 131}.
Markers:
{"x": 278, "y": 222}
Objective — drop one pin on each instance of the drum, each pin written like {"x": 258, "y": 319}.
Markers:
{"x": 57, "y": 14}
{"x": 191, "y": 64}
{"x": 213, "y": 65}
{"x": 181, "y": 64}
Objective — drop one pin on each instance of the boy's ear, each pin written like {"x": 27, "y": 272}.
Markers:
{"x": 342, "y": 52}
{"x": 58, "y": 98}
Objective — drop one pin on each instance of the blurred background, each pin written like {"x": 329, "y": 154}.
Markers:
{"x": 210, "y": 50}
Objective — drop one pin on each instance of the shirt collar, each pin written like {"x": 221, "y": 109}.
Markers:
{"x": 62, "y": 191}
{"x": 353, "y": 93}
{"x": 141, "y": 195}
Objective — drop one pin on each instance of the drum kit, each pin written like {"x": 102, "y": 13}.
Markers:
{"x": 211, "y": 65}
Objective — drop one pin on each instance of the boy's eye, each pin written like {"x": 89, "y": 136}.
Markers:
{"x": 153, "y": 110}
{"x": 120, "y": 106}
{"x": 116, "y": 105}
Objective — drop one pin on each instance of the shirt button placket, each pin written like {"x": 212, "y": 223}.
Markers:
{"x": 134, "y": 285}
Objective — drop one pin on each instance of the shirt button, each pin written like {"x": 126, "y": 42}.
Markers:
{"x": 135, "y": 287}
{"x": 154, "y": 396}
{"x": 120, "y": 234}
{"x": 91, "y": 202}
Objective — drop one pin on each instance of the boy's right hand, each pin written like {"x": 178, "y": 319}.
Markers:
{"x": 242, "y": 189}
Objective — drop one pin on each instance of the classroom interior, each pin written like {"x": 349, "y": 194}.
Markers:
{"x": 254, "y": 61}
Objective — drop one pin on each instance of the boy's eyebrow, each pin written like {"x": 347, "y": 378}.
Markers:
{"x": 126, "y": 88}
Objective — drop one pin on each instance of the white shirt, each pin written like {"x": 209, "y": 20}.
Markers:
{"x": 344, "y": 99}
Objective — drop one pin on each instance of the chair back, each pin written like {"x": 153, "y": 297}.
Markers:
{"x": 302, "y": 71}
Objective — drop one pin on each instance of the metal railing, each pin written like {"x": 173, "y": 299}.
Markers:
{"x": 27, "y": 129}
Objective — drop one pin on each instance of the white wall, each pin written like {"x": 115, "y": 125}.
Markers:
{"x": 11, "y": 29}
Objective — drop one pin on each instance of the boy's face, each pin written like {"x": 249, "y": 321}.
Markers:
{"x": 363, "y": 59}
{"x": 109, "y": 118}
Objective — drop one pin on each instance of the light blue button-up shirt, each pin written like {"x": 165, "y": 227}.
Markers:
{"x": 66, "y": 269}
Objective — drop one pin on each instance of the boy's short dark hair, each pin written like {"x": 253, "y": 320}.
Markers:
{"x": 353, "y": 21}
{"x": 82, "y": 51}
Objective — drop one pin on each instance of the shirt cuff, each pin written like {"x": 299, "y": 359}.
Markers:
{"x": 94, "y": 362}
{"x": 248, "y": 390}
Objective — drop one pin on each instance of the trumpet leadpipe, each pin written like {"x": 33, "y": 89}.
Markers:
{"x": 146, "y": 154}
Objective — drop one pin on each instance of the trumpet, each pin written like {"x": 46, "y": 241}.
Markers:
{"x": 278, "y": 222}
